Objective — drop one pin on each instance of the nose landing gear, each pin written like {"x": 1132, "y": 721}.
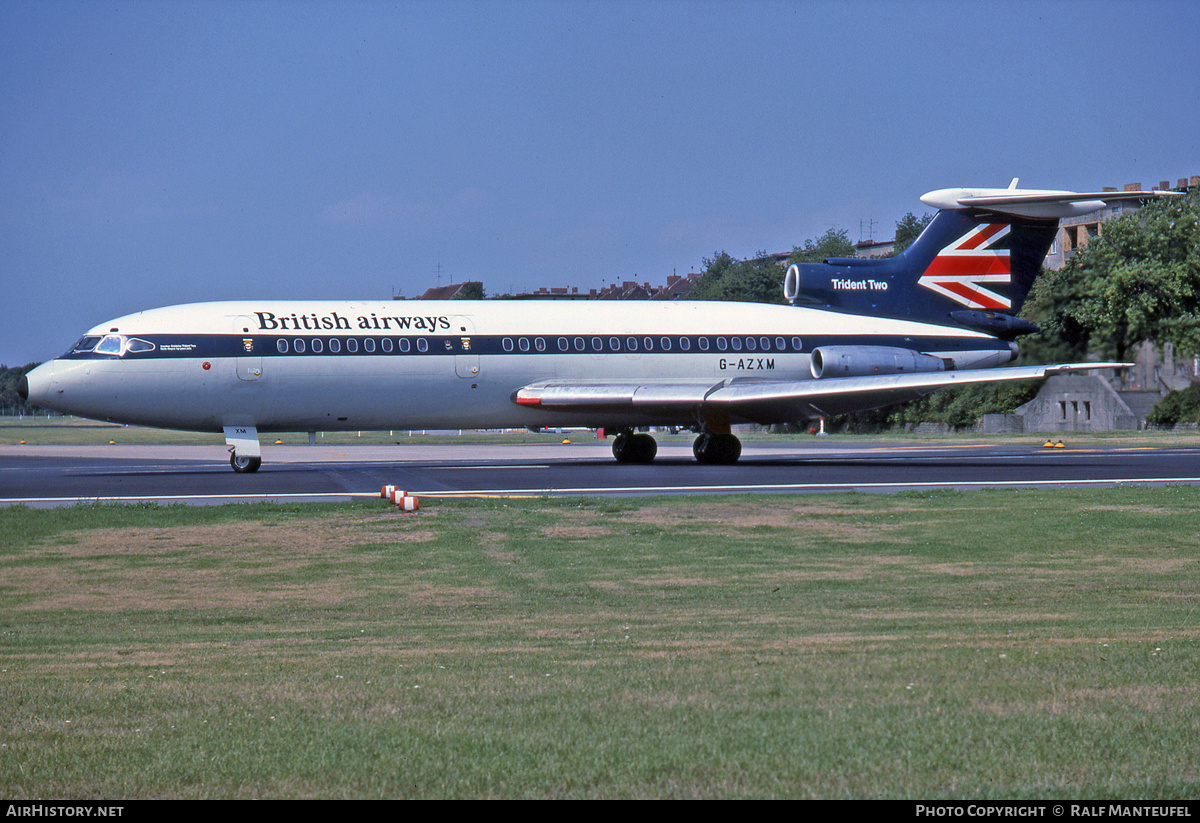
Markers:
{"x": 243, "y": 464}
{"x": 245, "y": 455}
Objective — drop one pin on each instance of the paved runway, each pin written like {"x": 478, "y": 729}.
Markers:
{"x": 58, "y": 475}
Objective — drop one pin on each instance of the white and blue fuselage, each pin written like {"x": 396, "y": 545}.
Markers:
{"x": 330, "y": 366}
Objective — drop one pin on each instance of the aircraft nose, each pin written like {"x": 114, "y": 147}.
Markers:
{"x": 33, "y": 385}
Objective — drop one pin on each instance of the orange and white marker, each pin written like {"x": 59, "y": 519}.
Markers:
{"x": 408, "y": 503}
{"x": 386, "y": 492}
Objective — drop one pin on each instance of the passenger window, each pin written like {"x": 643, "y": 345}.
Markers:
{"x": 665, "y": 343}
{"x": 405, "y": 345}
{"x": 335, "y": 345}
{"x": 507, "y": 344}
{"x": 721, "y": 344}
{"x": 369, "y": 344}
{"x": 351, "y": 344}
{"x": 281, "y": 346}
{"x": 703, "y": 344}
{"x": 422, "y": 344}
{"x": 685, "y": 343}
{"x": 317, "y": 347}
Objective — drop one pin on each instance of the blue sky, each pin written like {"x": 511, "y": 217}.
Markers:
{"x": 154, "y": 153}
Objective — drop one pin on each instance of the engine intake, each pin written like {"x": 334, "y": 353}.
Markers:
{"x": 857, "y": 361}
{"x": 791, "y": 284}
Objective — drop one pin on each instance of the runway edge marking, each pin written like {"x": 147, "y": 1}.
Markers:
{"x": 531, "y": 493}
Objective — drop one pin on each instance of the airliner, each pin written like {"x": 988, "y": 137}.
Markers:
{"x": 856, "y": 334}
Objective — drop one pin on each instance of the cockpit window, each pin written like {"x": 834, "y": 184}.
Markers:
{"x": 111, "y": 344}
{"x": 85, "y": 344}
{"x": 136, "y": 344}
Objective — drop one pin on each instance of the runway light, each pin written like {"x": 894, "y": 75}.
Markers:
{"x": 566, "y": 442}
{"x": 1048, "y": 445}
{"x": 112, "y": 442}
{"x": 278, "y": 442}
{"x": 1059, "y": 445}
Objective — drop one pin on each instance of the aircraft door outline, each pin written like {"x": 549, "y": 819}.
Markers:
{"x": 248, "y": 366}
{"x": 466, "y": 357}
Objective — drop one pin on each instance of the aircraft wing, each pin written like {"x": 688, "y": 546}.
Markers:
{"x": 764, "y": 400}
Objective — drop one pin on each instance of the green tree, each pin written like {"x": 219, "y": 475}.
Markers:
{"x": 1181, "y": 406}
{"x": 833, "y": 243}
{"x": 10, "y": 401}
{"x": 908, "y": 229}
{"x": 1140, "y": 280}
{"x": 471, "y": 290}
{"x": 1062, "y": 338}
{"x": 759, "y": 280}
{"x": 964, "y": 405}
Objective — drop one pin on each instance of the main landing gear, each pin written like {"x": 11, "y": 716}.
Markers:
{"x": 634, "y": 447}
{"x": 709, "y": 448}
{"x": 717, "y": 448}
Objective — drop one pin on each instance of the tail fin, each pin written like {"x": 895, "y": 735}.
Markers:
{"x": 974, "y": 264}
{"x": 976, "y": 269}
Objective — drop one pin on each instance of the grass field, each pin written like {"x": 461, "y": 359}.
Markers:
{"x": 995, "y": 644}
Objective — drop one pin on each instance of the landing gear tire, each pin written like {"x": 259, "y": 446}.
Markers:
{"x": 717, "y": 449}
{"x": 634, "y": 448}
{"x": 244, "y": 465}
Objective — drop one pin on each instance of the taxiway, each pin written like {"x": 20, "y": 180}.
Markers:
{"x": 61, "y": 475}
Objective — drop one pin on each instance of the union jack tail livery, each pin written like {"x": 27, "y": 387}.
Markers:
{"x": 970, "y": 269}
{"x": 973, "y": 265}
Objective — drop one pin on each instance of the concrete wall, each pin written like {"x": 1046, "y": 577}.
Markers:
{"x": 1077, "y": 402}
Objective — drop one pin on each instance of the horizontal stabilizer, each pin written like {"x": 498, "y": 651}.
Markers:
{"x": 1034, "y": 203}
